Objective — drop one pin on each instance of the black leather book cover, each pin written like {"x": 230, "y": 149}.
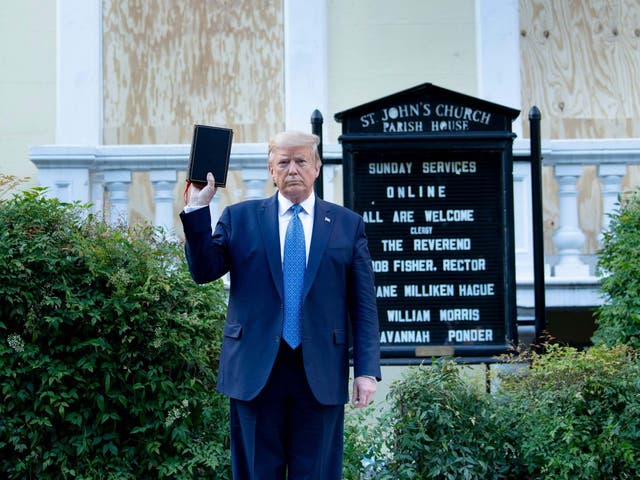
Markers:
{"x": 210, "y": 152}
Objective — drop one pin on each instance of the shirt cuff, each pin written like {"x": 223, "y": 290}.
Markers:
{"x": 192, "y": 208}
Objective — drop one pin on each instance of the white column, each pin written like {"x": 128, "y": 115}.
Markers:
{"x": 97, "y": 193}
{"x": 163, "y": 182}
{"x": 117, "y": 183}
{"x": 611, "y": 177}
{"x": 569, "y": 238}
{"x": 498, "y": 54}
{"x": 305, "y": 62}
{"x": 79, "y": 72}
{"x": 329, "y": 178}
{"x": 523, "y": 222}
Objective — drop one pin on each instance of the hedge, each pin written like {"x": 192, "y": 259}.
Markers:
{"x": 108, "y": 350}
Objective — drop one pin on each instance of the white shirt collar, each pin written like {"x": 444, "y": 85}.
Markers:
{"x": 284, "y": 204}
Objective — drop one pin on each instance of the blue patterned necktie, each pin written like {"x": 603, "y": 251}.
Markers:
{"x": 293, "y": 267}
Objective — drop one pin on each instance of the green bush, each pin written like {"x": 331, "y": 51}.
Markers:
{"x": 618, "y": 319}
{"x": 447, "y": 428}
{"x": 108, "y": 351}
{"x": 438, "y": 426}
{"x": 576, "y": 414}
{"x": 366, "y": 445}
{"x": 569, "y": 415}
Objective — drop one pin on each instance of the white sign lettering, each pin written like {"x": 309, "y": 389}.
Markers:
{"x": 404, "y": 336}
{"x": 478, "y": 335}
{"x": 404, "y": 316}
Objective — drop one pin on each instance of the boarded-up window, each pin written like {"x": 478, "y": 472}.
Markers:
{"x": 168, "y": 64}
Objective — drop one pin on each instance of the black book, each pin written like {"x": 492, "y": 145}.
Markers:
{"x": 210, "y": 152}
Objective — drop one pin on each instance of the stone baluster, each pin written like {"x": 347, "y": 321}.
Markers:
{"x": 117, "y": 184}
{"x": 255, "y": 181}
{"x": 163, "y": 182}
{"x": 611, "y": 177}
{"x": 569, "y": 238}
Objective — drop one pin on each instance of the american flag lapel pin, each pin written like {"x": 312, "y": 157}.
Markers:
{"x": 327, "y": 219}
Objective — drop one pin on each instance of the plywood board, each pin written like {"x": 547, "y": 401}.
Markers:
{"x": 170, "y": 64}
{"x": 580, "y": 66}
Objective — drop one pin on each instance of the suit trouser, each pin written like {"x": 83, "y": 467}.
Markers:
{"x": 284, "y": 432}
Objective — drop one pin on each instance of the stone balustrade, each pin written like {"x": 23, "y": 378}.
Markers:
{"x": 102, "y": 176}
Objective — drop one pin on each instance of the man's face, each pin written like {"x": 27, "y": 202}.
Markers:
{"x": 294, "y": 170}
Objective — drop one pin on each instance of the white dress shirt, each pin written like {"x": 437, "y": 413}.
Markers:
{"x": 284, "y": 217}
{"x": 306, "y": 217}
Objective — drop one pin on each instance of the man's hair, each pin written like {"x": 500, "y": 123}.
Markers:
{"x": 295, "y": 139}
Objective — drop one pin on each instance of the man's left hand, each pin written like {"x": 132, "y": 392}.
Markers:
{"x": 363, "y": 390}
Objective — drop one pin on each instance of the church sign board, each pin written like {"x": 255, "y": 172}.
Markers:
{"x": 430, "y": 171}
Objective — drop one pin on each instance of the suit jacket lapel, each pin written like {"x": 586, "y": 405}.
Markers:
{"x": 268, "y": 218}
{"x": 323, "y": 221}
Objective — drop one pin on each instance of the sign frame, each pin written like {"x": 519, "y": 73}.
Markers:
{"x": 493, "y": 141}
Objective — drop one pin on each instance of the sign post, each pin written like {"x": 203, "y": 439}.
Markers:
{"x": 430, "y": 171}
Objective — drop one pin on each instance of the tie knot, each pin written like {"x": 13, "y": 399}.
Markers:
{"x": 296, "y": 209}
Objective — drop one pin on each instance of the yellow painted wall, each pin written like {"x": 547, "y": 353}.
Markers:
{"x": 379, "y": 47}
{"x": 27, "y": 82}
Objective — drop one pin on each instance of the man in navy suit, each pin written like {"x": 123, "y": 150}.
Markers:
{"x": 287, "y": 396}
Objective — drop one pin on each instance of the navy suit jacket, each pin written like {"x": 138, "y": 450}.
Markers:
{"x": 338, "y": 294}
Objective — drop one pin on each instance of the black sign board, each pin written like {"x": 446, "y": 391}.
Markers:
{"x": 430, "y": 171}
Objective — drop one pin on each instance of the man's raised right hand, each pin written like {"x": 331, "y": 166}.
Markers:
{"x": 199, "y": 197}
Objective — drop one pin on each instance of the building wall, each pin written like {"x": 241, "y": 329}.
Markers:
{"x": 169, "y": 64}
{"x": 580, "y": 63}
{"x": 222, "y": 65}
{"x": 27, "y": 83}
{"x": 379, "y": 47}
{"x": 218, "y": 61}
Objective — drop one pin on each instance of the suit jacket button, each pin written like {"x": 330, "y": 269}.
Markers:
{"x": 277, "y": 339}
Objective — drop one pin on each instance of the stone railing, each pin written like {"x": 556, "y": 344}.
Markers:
{"x": 102, "y": 176}
{"x": 584, "y": 181}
